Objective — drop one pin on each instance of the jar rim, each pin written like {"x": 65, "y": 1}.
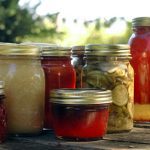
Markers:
{"x": 77, "y": 50}
{"x": 115, "y": 50}
{"x": 81, "y": 96}
{"x": 2, "y": 84}
{"x": 13, "y": 49}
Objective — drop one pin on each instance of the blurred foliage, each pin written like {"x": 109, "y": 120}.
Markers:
{"x": 20, "y": 23}
{"x": 45, "y": 30}
{"x": 98, "y": 31}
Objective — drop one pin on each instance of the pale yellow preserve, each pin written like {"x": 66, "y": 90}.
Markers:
{"x": 24, "y": 87}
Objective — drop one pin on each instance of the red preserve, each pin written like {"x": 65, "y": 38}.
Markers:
{"x": 3, "y": 123}
{"x": 80, "y": 114}
{"x": 140, "y": 50}
{"x": 59, "y": 73}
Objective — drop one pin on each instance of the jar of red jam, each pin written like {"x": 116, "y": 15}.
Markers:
{"x": 140, "y": 50}
{"x": 3, "y": 121}
{"x": 59, "y": 73}
{"x": 78, "y": 62}
{"x": 80, "y": 114}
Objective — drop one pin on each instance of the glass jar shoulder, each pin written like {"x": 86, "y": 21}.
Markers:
{"x": 21, "y": 70}
{"x": 107, "y": 75}
{"x": 57, "y": 66}
{"x": 136, "y": 36}
{"x": 77, "y": 61}
{"x": 139, "y": 42}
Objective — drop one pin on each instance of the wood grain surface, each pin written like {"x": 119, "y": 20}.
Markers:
{"x": 138, "y": 138}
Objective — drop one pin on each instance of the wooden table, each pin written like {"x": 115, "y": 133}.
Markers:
{"x": 138, "y": 138}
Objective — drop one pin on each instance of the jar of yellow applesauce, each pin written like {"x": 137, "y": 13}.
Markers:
{"x": 20, "y": 68}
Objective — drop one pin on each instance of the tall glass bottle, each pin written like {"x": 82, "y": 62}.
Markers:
{"x": 140, "y": 50}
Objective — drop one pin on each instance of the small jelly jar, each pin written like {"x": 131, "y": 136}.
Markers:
{"x": 140, "y": 50}
{"x": 78, "y": 62}
{"x": 59, "y": 73}
{"x": 3, "y": 121}
{"x": 80, "y": 114}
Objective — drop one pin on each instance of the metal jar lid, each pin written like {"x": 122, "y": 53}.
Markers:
{"x": 77, "y": 50}
{"x": 117, "y": 50}
{"x": 11, "y": 49}
{"x": 39, "y": 45}
{"x": 141, "y": 21}
{"x": 81, "y": 96}
{"x": 55, "y": 50}
{"x": 1, "y": 87}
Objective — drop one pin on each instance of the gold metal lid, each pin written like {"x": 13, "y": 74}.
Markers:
{"x": 77, "y": 50}
{"x": 11, "y": 49}
{"x": 81, "y": 96}
{"x": 141, "y": 21}
{"x": 1, "y": 87}
{"x": 117, "y": 50}
{"x": 50, "y": 49}
{"x": 55, "y": 50}
{"x": 39, "y": 45}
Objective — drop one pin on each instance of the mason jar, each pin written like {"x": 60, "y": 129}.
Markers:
{"x": 140, "y": 50}
{"x": 20, "y": 69}
{"x": 59, "y": 73}
{"x": 80, "y": 114}
{"x": 3, "y": 116}
{"x": 107, "y": 67}
{"x": 78, "y": 62}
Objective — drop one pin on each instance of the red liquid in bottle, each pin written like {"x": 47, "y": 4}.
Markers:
{"x": 140, "y": 49}
{"x": 59, "y": 73}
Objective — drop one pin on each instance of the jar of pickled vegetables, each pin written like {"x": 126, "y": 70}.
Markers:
{"x": 80, "y": 114}
{"x": 78, "y": 62}
{"x": 140, "y": 50}
{"x": 59, "y": 73}
{"x": 3, "y": 117}
{"x": 108, "y": 68}
{"x": 20, "y": 68}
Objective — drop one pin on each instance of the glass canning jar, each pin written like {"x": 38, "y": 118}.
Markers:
{"x": 3, "y": 117}
{"x": 107, "y": 67}
{"x": 20, "y": 68}
{"x": 78, "y": 62}
{"x": 59, "y": 73}
{"x": 140, "y": 50}
{"x": 80, "y": 114}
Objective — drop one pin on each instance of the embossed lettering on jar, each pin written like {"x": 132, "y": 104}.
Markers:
{"x": 140, "y": 50}
{"x": 107, "y": 67}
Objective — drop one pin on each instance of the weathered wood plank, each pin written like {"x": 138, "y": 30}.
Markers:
{"x": 138, "y": 138}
